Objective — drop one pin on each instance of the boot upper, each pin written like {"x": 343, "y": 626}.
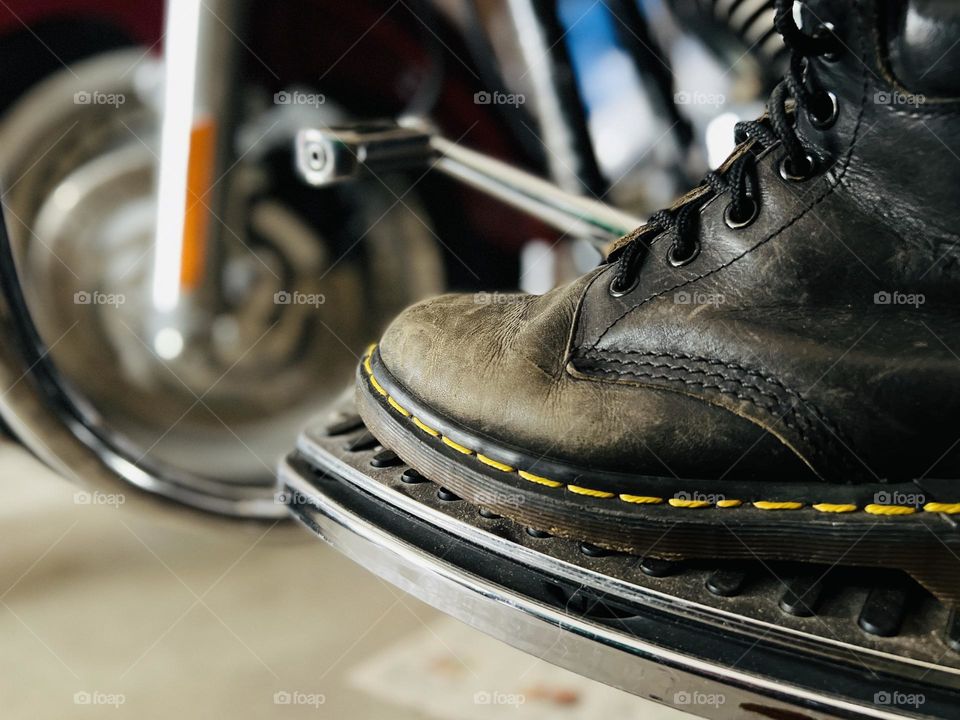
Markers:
{"x": 819, "y": 341}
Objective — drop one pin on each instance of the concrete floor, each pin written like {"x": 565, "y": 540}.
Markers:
{"x": 104, "y": 613}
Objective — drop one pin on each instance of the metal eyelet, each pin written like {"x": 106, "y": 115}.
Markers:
{"x": 791, "y": 175}
{"x": 678, "y": 261}
{"x": 827, "y": 29}
{"x": 823, "y": 122}
{"x": 735, "y": 224}
{"x": 620, "y": 292}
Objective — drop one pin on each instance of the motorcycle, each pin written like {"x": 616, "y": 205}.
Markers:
{"x": 210, "y": 209}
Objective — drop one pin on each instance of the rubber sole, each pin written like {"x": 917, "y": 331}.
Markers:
{"x": 924, "y": 544}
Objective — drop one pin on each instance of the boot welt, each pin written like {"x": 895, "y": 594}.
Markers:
{"x": 639, "y": 515}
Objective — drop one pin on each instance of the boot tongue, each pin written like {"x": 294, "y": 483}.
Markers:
{"x": 922, "y": 48}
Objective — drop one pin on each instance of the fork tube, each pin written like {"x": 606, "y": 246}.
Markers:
{"x": 195, "y": 133}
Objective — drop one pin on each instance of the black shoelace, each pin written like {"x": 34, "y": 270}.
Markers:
{"x": 739, "y": 178}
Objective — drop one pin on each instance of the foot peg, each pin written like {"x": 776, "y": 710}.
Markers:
{"x": 665, "y": 630}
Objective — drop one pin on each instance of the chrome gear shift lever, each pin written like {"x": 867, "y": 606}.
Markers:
{"x": 330, "y": 155}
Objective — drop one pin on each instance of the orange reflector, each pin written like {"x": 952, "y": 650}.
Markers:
{"x": 196, "y": 221}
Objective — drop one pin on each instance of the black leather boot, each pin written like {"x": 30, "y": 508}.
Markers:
{"x": 769, "y": 368}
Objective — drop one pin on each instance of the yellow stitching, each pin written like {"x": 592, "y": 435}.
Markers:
{"x": 494, "y": 463}
{"x": 396, "y": 406}
{"x": 426, "y": 428}
{"x": 939, "y": 507}
{"x": 589, "y": 491}
{"x": 456, "y": 446}
{"x": 539, "y": 480}
{"x": 377, "y": 386}
{"x": 934, "y": 507}
{"x": 641, "y": 499}
{"x": 691, "y": 504}
{"x": 729, "y": 503}
{"x": 833, "y": 508}
{"x": 890, "y": 509}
